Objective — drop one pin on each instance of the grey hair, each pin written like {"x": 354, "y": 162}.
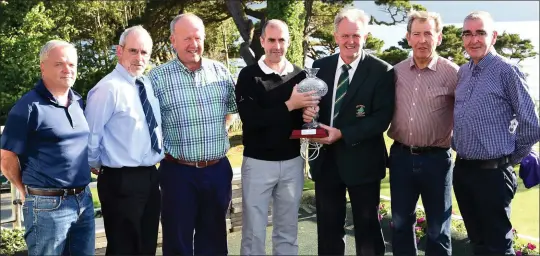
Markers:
{"x": 424, "y": 16}
{"x": 352, "y": 14}
{"x": 180, "y": 16}
{"x": 274, "y": 23}
{"x": 481, "y": 15}
{"x": 130, "y": 30}
{"x": 47, "y": 48}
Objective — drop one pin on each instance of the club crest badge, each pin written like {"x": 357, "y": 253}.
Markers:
{"x": 360, "y": 111}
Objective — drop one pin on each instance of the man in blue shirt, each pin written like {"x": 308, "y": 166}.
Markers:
{"x": 125, "y": 145}
{"x": 495, "y": 126}
{"x": 46, "y": 133}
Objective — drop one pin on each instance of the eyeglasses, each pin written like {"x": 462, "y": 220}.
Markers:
{"x": 469, "y": 35}
{"x": 135, "y": 52}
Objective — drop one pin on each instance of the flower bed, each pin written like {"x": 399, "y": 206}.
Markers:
{"x": 522, "y": 248}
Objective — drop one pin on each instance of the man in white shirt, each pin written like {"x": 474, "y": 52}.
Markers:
{"x": 124, "y": 147}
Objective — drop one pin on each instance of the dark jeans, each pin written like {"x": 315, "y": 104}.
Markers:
{"x": 130, "y": 203}
{"x": 195, "y": 200}
{"x": 484, "y": 197}
{"x": 428, "y": 174}
{"x": 331, "y": 212}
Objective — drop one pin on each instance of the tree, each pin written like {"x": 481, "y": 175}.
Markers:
{"x": 513, "y": 47}
{"x": 291, "y": 12}
{"x": 508, "y": 45}
{"x": 394, "y": 55}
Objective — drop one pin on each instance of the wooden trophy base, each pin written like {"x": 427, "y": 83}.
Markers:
{"x": 309, "y": 133}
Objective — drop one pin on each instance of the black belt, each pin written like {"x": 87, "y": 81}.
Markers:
{"x": 483, "y": 164}
{"x": 418, "y": 150}
{"x": 54, "y": 191}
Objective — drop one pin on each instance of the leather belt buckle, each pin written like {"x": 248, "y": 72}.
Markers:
{"x": 198, "y": 166}
{"x": 412, "y": 150}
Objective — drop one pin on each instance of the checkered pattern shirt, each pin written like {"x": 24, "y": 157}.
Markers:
{"x": 193, "y": 108}
{"x": 489, "y": 96}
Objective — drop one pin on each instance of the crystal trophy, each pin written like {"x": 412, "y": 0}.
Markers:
{"x": 311, "y": 129}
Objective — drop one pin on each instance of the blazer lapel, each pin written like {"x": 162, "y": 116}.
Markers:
{"x": 328, "y": 73}
{"x": 360, "y": 75}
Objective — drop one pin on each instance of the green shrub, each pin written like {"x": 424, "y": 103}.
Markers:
{"x": 12, "y": 241}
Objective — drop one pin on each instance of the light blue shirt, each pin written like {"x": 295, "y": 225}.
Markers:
{"x": 119, "y": 134}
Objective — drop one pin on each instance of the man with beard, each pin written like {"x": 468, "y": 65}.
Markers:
{"x": 270, "y": 108}
{"x": 124, "y": 147}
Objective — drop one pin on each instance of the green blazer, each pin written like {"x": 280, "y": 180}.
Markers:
{"x": 365, "y": 115}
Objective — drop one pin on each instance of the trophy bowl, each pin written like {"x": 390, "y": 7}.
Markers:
{"x": 320, "y": 88}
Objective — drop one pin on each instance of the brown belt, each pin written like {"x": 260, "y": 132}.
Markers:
{"x": 201, "y": 164}
{"x": 55, "y": 191}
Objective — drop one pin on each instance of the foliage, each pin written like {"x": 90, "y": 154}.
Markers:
{"x": 509, "y": 45}
{"x": 20, "y": 46}
{"x": 513, "y": 47}
{"x": 522, "y": 248}
{"x": 291, "y": 12}
{"x": 12, "y": 241}
{"x": 393, "y": 55}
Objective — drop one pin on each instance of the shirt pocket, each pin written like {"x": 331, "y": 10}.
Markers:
{"x": 438, "y": 96}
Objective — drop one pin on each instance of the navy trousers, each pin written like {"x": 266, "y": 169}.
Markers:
{"x": 427, "y": 174}
{"x": 484, "y": 197}
{"x": 194, "y": 207}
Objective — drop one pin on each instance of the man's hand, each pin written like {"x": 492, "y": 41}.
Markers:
{"x": 301, "y": 100}
{"x": 94, "y": 171}
{"x": 310, "y": 113}
{"x": 333, "y": 135}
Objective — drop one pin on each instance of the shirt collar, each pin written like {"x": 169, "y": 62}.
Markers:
{"x": 484, "y": 62}
{"x": 353, "y": 64}
{"x": 46, "y": 94}
{"x": 125, "y": 74}
{"x": 267, "y": 70}
{"x": 431, "y": 65}
{"x": 183, "y": 67}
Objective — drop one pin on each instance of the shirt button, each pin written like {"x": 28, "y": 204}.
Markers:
{"x": 411, "y": 118}
{"x": 414, "y": 104}
{"x": 410, "y": 134}
{"x": 416, "y": 89}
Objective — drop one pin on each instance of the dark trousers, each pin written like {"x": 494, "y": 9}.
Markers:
{"x": 130, "y": 206}
{"x": 331, "y": 212}
{"x": 484, "y": 197}
{"x": 195, "y": 200}
{"x": 428, "y": 174}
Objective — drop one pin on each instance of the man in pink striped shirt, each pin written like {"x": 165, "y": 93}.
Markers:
{"x": 420, "y": 158}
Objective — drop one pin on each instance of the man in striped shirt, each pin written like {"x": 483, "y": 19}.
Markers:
{"x": 495, "y": 126}
{"x": 196, "y": 97}
{"x": 420, "y": 161}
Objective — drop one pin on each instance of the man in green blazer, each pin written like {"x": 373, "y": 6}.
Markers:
{"x": 356, "y": 112}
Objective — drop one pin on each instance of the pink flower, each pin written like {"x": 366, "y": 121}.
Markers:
{"x": 518, "y": 253}
{"x": 531, "y": 246}
{"x": 418, "y": 228}
{"x": 380, "y": 217}
{"x": 420, "y": 220}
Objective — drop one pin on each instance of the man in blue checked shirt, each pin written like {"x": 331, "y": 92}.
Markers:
{"x": 197, "y": 98}
{"x": 495, "y": 126}
{"x": 124, "y": 147}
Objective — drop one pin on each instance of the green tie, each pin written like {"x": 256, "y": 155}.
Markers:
{"x": 341, "y": 90}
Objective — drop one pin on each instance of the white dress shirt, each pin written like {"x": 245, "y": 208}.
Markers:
{"x": 339, "y": 70}
{"x": 119, "y": 134}
{"x": 267, "y": 70}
